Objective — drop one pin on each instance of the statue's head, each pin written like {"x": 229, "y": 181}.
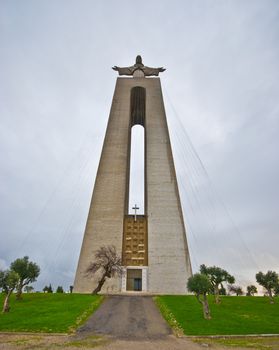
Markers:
{"x": 138, "y": 60}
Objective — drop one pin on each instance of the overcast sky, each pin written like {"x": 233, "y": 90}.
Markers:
{"x": 221, "y": 94}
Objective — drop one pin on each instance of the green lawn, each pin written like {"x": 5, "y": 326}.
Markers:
{"x": 54, "y": 313}
{"x": 235, "y": 315}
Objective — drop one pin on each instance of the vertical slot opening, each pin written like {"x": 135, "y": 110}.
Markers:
{"x": 137, "y": 171}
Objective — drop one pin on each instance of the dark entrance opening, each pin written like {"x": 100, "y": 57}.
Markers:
{"x": 137, "y": 284}
{"x": 134, "y": 279}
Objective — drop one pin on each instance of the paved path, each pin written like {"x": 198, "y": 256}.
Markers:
{"x": 127, "y": 317}
{"x": 122, "y": 323}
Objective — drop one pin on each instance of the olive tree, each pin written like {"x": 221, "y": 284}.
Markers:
{"x": 200, "y": 285}
{"x": 107, "y": 263}
{"x": 235, "y": 289}
{"x": 269, "y": 281}
{"x": 8, "y": 282}
{"x": 251, "y": 290}
{"x": 216, "y": 276}
{"x": 48, "y": 289}
{"x": 29, "y": 289}
{"x": 59, "y": 289}
{"x": 28, "y": 272}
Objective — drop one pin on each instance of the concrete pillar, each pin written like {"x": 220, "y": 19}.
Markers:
{"x": 168, "y": 257}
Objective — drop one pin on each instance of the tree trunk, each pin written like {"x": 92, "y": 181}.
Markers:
{"x": 206, "y": 310}
{"x": 205, "y": 306}
{"x": 6, "y": 305}
{"x": 216, "y": 294}
{"x": 100, "y": 285}
{"x": 19, "y": 291}
{"x": 271, "y": 300}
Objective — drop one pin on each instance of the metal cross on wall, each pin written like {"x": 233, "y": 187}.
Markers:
{"x": 135, "y": 209}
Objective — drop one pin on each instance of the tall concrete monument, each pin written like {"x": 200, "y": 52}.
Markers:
{"x": 153, "y": 246}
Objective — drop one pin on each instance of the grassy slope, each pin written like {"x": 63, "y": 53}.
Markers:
{"x": 235, "y": 315}
{"x": 41, "y": 312}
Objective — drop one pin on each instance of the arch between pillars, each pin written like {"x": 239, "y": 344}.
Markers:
{"x": 137, "y": 103}
{"x": 135, "y": 238}
{"x": 137, "y": 118}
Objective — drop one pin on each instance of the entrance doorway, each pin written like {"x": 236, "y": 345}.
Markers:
{"x": 134, "y": 280}
{"x": 137, "y": 284}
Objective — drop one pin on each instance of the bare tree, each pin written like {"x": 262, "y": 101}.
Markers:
{"x": 108, "y": 262}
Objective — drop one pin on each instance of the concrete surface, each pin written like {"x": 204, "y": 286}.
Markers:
{"x": 169, "y": 264}
{"x": 127, "y": 317}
